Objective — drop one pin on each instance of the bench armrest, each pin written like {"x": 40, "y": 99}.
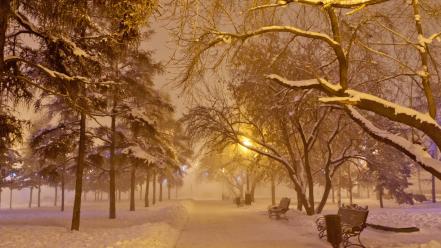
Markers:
{"x": 320, "y": 219}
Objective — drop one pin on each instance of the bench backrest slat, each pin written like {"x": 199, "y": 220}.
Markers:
{"x": 284, "y": 203}
{"x": 353, "y": 217}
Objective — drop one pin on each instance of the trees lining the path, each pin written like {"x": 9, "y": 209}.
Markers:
{"x": 376, "y": 59}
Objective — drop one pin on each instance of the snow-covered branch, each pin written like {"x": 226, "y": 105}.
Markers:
{"x": 345, "y": 4}
{"x": 286, "y": 29}
{"x": 416, "y": 152}
{"x": 341, "y": 3}
{"x": 319, "y": 83}
{"x": 390, "y": 110}
{"x": 48, "y": 72}
{"x": 67, "y": 43}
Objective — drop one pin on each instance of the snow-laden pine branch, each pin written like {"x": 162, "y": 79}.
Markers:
{"x": 67, "y": 43}
{"x": 56, "y": 74}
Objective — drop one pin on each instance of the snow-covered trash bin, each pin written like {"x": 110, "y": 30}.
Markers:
{"x": 333, "y": 229}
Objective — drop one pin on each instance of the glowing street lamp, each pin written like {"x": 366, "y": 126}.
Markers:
{"x": 245, "y": 144}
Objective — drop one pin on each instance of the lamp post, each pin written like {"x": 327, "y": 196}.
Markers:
{"x": 223, "y": 183}
{"x": 245, "y": 144}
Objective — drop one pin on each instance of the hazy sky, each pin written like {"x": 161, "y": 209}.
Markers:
{"x": 163, "y": 48}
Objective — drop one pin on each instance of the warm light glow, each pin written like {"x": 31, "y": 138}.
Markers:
{"x": 245, "y": 144}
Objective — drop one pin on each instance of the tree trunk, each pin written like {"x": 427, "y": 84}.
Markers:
{"x": 368, "y": 191}
{"x": 310, "y": 181}
{"x": 248, "y": 181}
{"x": 380, "y": 196}
{"x": 31, "y": 191}
{"x": 309, "y": 209}
{"x": 119, "y": 195}
{"x": 299, "y": 199}
{"x": 79, "y": 175}
{"x": 56, "y": 196}
{"x": 4, "y": 18}
{"x": 63, "y": 187}
{"x": 433, "y": 189}
{"x": 0, "y": 195}
{"x": 154, "y": 188}
{"x": 241, "y": 190}
{"x": 10, "y": 197}
{"x": 168, "y": 190}
{"x": 328, "y": 186}
{"x": 273, "y": 190}
{"x": 39, "y": 194}
{"x": 339, "y": 188}
{"x": 160, "y": 190}
{"x": 112, "y": 183}
{"x": 132, "y": 188}
{"x": 147, "y": 188}
{"x": 350, "y": 195}
{"x": 350, "y": 184}
{"x": 140, "y": 192}
{"x": 253, "y": 190}
{"x": 333, "y": 195}
{"x": 358, "y": 191}
{"x": 420, "y": 189}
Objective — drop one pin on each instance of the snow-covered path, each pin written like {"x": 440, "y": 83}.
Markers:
{"x": 206, "y": 224}
{"x": 223, "y": 225}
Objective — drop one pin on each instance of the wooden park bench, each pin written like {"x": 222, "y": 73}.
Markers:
{"x": 353, "y": 222}
{"x": 280, "y": 209}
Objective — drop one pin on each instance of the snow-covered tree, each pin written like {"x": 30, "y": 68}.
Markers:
{"x": 366, "y": 58}
{"x": 390, "y": 171}
{"x": 70, "y": 56}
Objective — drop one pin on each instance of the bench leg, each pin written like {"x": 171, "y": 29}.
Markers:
{"x": 347, "y": 243}
{"x": 321, "y": 227}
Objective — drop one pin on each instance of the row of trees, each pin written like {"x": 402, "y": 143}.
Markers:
{"x": 355, "y": 69}
{"x": 35, "y": 184}
{"x": 295, "y": 142}
{"x": 80, "y": 64}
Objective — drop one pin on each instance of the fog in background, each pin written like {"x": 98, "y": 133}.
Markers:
{"x": 195, "y": 186}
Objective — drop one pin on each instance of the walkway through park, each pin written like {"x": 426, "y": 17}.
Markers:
{"x": 222, "y": 225}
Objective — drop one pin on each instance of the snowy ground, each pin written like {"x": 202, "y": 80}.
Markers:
{"x": 207, "y": 224}
{"x": 155, "y": 227}
{"x": 222, "y": 225}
